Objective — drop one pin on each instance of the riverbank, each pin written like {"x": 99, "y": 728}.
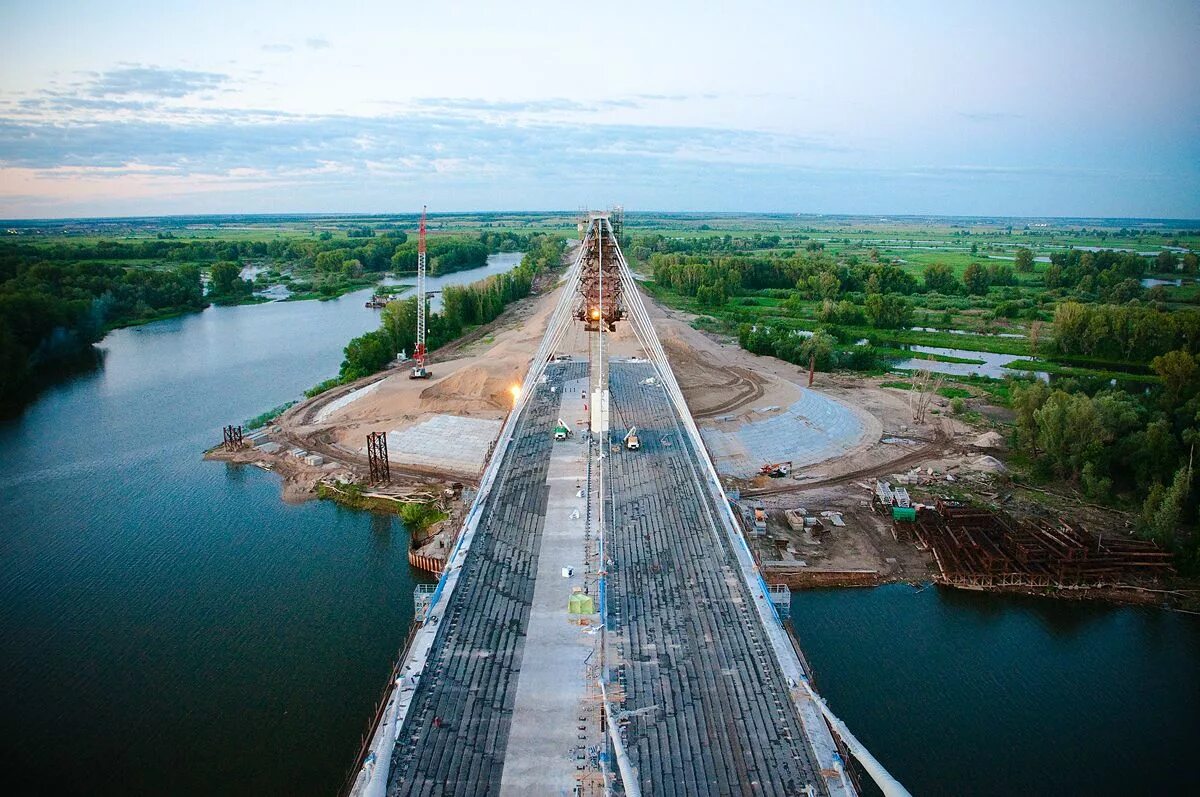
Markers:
{"x": 837, "y": 435}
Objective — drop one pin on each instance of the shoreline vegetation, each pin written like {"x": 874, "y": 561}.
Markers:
{"x": 418, "y": 516}
{"x": 1117, "y": 415}
{"x": 62, "y": 291}
{"x": 463, "y": 308}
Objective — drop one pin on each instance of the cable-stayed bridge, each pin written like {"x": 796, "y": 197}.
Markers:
{"x": 601, "y": 626}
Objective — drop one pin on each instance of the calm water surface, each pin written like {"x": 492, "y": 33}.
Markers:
{"x": 962, "y": 693}
{"x": 170, "y": 626}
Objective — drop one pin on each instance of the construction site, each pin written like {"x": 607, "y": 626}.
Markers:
{"x": 600, "y": 624}
{"x": 628, "y": 504}
{"x": 775, "y": 438}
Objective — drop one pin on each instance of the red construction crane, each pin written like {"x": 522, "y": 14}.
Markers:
{"x": 419, "y": 371}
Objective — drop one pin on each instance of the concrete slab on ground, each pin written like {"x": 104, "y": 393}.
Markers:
{"x": 444, "y": 442}
{"x": 811, "y": 430}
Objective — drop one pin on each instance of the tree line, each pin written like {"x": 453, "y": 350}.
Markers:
{"x": 1111, "y": 443}
{"x": 393, "y": 250}
{"x": 462, "y": 307}
{"x": 52, "y": 312}
{"x": 1130, "y": 332}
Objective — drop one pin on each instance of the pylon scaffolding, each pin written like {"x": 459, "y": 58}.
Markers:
{"x": 600, "y": 289}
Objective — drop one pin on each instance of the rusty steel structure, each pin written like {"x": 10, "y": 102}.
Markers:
{"x": 377, "y": 458}
{"x": 600, "y": 288}
{"x": 233, "y": 438}
{"x": 978, "y": 548}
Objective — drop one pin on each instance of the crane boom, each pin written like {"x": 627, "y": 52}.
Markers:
{"x": 419, "y": 371}
{"x": 420, "y": 348}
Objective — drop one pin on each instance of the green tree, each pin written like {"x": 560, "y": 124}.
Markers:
{"x": 329, "y": 261}
{"x": 1095, "y": 483}
{"x": 888, "y": 311}
{"x": 821, "y": 346}
{"x": 1165, "y": 262}
{"x": 1069, "y": 432}
{"x": 366, "y": 354}
{"x": 842, "y": 312}
{"x": 1159, "y": 520}
{"x": 225, "y": 280}
{"x": 1024, "y": 260}
{"x": 1027, "y": 399}
{"x": 939, "y": 277}
{"x": 1177, "y": 370}
{"x": 975, "y": 278}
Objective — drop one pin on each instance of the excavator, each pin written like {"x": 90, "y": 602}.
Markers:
{"x": 776, "y": 470}
{"x": 631, "y": 440}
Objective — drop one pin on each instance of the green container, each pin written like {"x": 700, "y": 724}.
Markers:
{"x": 904, "y": 513}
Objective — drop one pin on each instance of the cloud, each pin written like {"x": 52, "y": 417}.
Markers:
{"x": 219, "y": 142}
{"x": 318, "y": 43}
{"x": 539, "y": 106}
{"x": 502, "y": 106}
{"x": 152, "y": 81}
{"x": 277, "y": 48}
{"x": 666, "y": 97}
{"x": 484, "y": 154}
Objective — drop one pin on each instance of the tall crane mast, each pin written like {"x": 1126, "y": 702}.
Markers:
{"x": 419, "y": 371}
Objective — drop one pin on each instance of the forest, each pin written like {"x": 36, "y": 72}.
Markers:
{"x": 52, "y": 312}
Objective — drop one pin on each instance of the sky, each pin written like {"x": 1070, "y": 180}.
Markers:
{"x": 951, "y": 108}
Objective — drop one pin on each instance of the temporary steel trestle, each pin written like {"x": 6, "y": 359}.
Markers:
{"x": 377, "y": 458}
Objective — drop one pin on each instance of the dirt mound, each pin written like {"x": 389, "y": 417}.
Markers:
{"x": 477, "y": 388}
{"x": 989, "y": 440}
{"x": 987, "y": 464}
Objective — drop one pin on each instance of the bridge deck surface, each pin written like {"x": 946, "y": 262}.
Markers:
{"x": 455, "y": 735}
{"x": 702, "y": 701}
{"x": 549, "y": 736}
{"x": 710, "y": 712}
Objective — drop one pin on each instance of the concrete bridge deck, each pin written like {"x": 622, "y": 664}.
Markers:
{"x": 708, "y": 703}
{"x": 456, "y": 732}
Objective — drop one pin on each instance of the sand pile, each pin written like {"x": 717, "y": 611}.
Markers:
{"x": 989, "y": 440}
{"x": 483, "y": 387}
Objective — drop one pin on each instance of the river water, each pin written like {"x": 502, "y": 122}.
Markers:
{"x": 170, "y": 626}
{"x": 967, "y": 693}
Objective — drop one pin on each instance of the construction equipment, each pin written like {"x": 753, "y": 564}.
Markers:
{"x": 760, "y": 518}
{"x": 562, "y": 431}
{"x": 419, "y": 369}
{"x": 631, "y": 440}
{"x": 776, "y": 470}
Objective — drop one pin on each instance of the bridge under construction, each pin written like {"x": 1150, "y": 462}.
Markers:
{"x": 601, "y": 626}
